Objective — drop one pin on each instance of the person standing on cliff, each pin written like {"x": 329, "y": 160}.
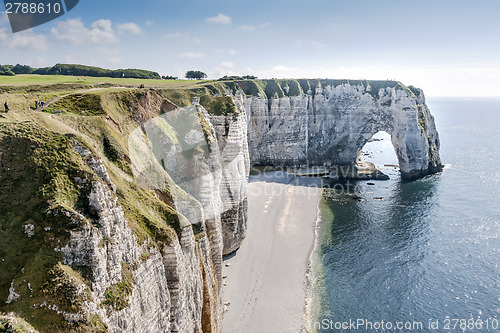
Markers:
{"x": 6, "y": 107}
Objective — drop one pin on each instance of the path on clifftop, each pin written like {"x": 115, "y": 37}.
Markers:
{"x": 266, "y": 278}
{"x": 55, "y": 99}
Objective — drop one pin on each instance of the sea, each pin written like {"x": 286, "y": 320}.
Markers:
{"x": 420, "y": 256}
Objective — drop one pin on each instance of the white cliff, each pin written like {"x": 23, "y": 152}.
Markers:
{"x": 196, "y": 164}
{"x": 329, "y": 124}
{"x": 177, "y": 285}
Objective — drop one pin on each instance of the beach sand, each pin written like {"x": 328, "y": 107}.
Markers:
{"x": 266, "y": 277}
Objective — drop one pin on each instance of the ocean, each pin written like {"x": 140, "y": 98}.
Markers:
{"x": 423, "y": 256}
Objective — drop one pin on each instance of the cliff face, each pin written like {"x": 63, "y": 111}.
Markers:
{"x": 141, "y": 246}
{"x": 231, "y": 132}
{"x": 127, "y": 208}
{"x": 327, "y": 125}
{"x": 139, "y": 288}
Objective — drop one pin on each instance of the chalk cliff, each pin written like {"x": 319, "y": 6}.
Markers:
{"x": 129, "y": 205}
{"x": 330, "y": 122}
{"x": 155, "y": 196}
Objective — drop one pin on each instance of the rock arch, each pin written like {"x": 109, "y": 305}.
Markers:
{"x": 329, "y": 125}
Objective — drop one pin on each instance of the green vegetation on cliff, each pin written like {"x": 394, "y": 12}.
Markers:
{"x": 37, "y": 155}
{"x": 37, "y": 219}
{"x": 116, "y": 296}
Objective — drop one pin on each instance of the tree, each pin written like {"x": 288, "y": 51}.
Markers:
{"x": 22, "y": 69}
{"x": 6, "y": 70}
{"x": 195, "y": 75}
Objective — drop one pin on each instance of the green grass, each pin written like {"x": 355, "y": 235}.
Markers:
{"x": 116, "y": 296}
{"x": 80, "y": 103}
{"x": 218, "y": 106}
{"x": 28, "y": 79}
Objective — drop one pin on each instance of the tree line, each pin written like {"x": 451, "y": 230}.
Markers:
{"x": 84, "y": 70}
{"x": 80, "y": 70}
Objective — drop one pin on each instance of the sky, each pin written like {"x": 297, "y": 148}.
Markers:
{"x": 447, "y": 48}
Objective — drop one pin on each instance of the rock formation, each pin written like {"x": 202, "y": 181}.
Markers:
{"x": 329, "y": 124}
{"x": 144, "y": 197}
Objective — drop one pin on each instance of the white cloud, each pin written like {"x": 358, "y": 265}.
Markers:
{"x": 310, "y": 43}
{"x": 451, "y": 80}
{"x": 71, "y": 31}
{"x": 219, "y": 19}
{"x": 191, "y": 55}
{"x": 253, "y": 27}
{"x": 284, "y": 69}
{"x": 25, "y": 40}
{"x": 129, "y": 27}
{"x": 75, "y": 32}
{"x": 102, "y": 32}
{"x": 149, "y": 22}
{"x": 278, "y": 71}
{"x": 175, "y": 35}
{"x": 232, "y": 52}
{"x": 220, "y": 72}
{"x": 247, "y": 27}
{"x": 228, "y": 64}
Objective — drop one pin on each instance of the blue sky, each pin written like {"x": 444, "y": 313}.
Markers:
{"x": 448, "y": 48}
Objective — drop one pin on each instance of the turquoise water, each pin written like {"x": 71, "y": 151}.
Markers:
{"x": 429, "y": 251}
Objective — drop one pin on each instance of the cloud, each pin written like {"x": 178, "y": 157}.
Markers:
{"x": 71, "y": 31}
{"x": 25, "y": 40}
{"x": 75, "y": 32}
{"x": 219, "y": 19}
{"x": 232, "y": 52}
{"x": 191, "y": 55}
{"x": 102, "y": 32}
{"x": 221, "y": 71}
{"x": 310, "y": 43}
{"x": 149, "y": 22}
{"x": 130, "y": 28}
{"x": 277, "y": 71}
{"x": 253, "y": 27}
{"x": 228, "y": 64}
{"x": 175, "y": 35}
{"x": 283, "y": 69}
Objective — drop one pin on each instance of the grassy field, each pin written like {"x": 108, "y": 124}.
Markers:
{"x": 53, "y": 79}
{"x": 21, "y": 91}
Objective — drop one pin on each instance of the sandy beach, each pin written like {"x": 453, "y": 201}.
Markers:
{"x": 266, "y": 278}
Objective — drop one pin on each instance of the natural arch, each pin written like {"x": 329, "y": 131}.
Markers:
{"x": 329, "y": 126}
